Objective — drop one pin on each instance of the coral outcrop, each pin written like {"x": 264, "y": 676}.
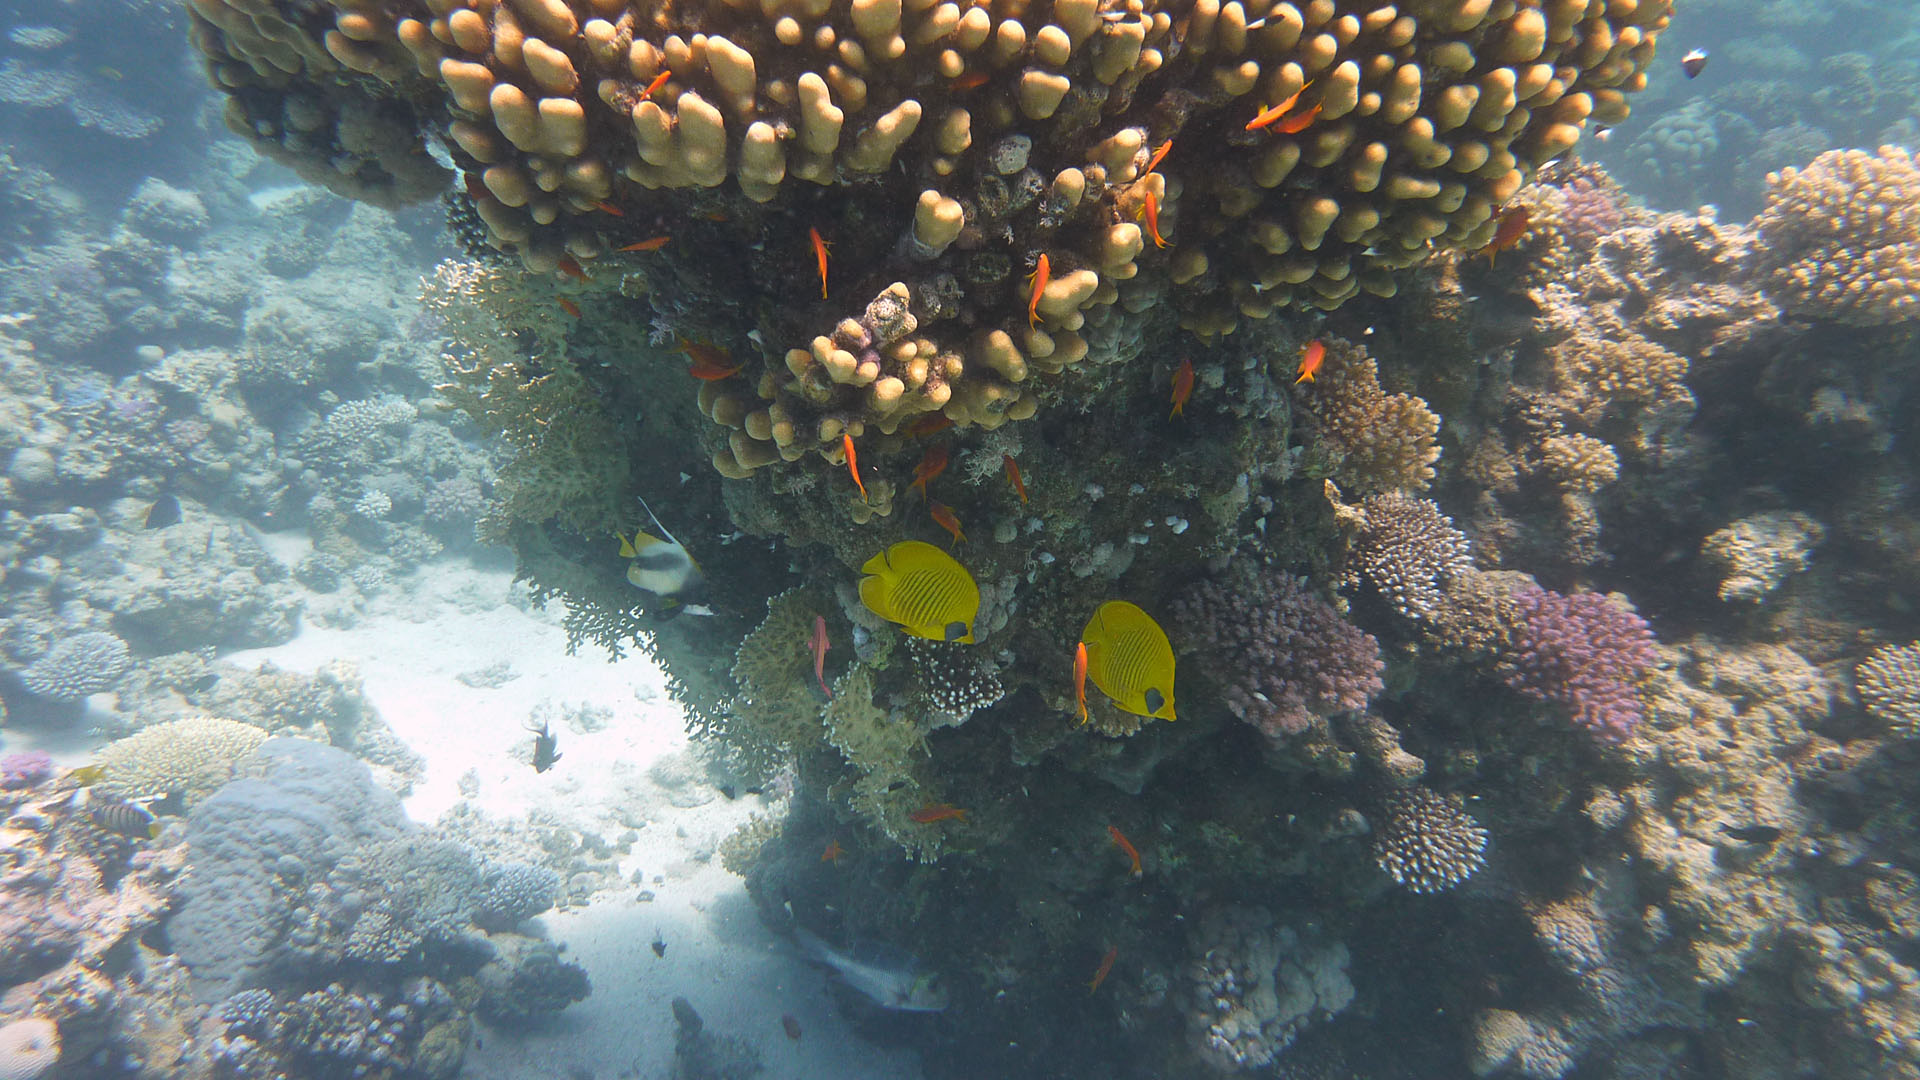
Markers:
{"x": 1843, "y": 237}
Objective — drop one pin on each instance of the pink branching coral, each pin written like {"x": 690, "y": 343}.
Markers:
{"x": 1584, "y": 652}
{"x": 1282, "y": 654}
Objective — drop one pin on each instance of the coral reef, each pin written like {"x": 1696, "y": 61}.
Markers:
{"x": 1759, "y": 552}
{"x": 1427, "y": 841}
{"x": 1889, "y": 684}
{"x": 186, "y": 759}
{"x": 1257, "y": 985}
{"x": 1842, "y": 237}
{"x": 1584, "y": 652}
{"x": 77, "y": 666}
{"x": 1407, "y": 549}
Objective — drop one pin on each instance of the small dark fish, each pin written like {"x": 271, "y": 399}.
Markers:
{"x": 729, "y": 791}
{"x": 126, "y": 819}
{"x": 659, "y": 943}
{"x": 791, "y": 1026}
{"x": 165, "y": 511}
{"x": 1753, "y": 834}
{"x": 1694, "y": 62}
{"x": 544, "y": 744}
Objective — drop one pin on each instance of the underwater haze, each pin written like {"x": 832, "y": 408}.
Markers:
{"x": 959, "y": 540}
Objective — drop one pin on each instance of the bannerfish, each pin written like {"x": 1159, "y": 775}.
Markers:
{"x": 545, "y": 747}
{"x": 1130, "y": 659}
{"x": 1694, "y": 62}
{"x": 165, "y": 511}
{"x": 661, "y": 564}
{"x": 923, "y": 590}
{"x": 899, "y": 988}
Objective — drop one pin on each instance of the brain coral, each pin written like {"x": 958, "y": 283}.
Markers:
{"x": 960, "y": 147}
{"x": 1842, "y": 237}
{"x": 188, "y": 758}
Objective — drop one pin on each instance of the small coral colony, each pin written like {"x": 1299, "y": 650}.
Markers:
{"x": 1177, "y": 498}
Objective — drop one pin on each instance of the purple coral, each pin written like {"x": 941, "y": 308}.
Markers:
{"x": 1582, "y": 651}
{"x": 1283, "y": 654}
{"x": 25, "y": 769}
{"x": 1590, "y": 211}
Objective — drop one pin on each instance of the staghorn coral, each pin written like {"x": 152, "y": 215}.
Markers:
{"x": 1841, "y": 237}
{"x": 1255, "y": 986}
{"x": 1889, "y": 685}
{"x": 1283, "y": 655}
{"x": 1427, "y": 841}
{"x": 1584, "y": 652}
{"x": 77, "y": 666}
{"x": 188, "y": 759}
{"x": 1408, "y": 550}
{"x": 978, "y": 142}
{"x": 1377, "y": 441}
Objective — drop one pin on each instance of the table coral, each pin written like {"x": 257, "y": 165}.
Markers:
{"x": 1842, "y": 237}
{"x": 187, "y": 759}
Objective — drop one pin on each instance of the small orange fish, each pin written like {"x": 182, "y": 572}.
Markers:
{"x": 1159, "y": 155}
{"x": 606, "y": 207}
{"x": 1512, "y": 227}
{"x": 1080, "y": 678}
{"x": 1013, "y": 477}
{"x": 651, "y": 244}
{"x": 833, "y": 853}
{"x": 791, "y": 1026}
{"x": 659, "y": 81}
{"x": 972, "y": 80}
{"x": 943, "y": 517}
{"x": 818, "y": 645}
{"x": 715, "y": 215}
{"x": 932, "y": 465}
{"x": 933, "y": 812}
{"x": 820, "y": 255}
{"x": 1268, "y": 116}
{"x": 571, "y": 267}
{"x": 929, "y": 425}
{"x": 853, "y": 465}
{"x": 1151, "y": 208}
{"x": 1297, "y": 123}
{"x": 1311, "y": 358}
{"x": 1042, "y": 273}
{"x": 710, "y": 363}
{"x": 1126, "y": 845}
{"x": 569, "y": 307}
{"x": 1182, "y": 388}
{"x": 1106, "y": 968}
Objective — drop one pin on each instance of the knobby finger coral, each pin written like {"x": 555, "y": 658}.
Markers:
{"x": 1582, "y": 651}
{"x": 1842, "y": 237}
{"x": 1378, "y": 441}
{"x": 1407, "y": 549}
{"x": 1427, "y": 841}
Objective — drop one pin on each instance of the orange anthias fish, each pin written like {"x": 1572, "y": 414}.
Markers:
{"x": 818, "y": 645}
{"x": 650, "y": 244}
{"x": 1297, "y": 123}
{"x": 1013, "y": 477}
{"x": 606, "y": 207}
{"x": 1105, "y": 969}
{"x": 1042, "y": 273}
{"x": 1159, "y": 155}
{"x": 972, "y": 80}
{"x": 833, "y": 852}
{"x": 1512, "y": 227}
{"x": 571, "y": 267}
{"x": 1182, "y": 388}
{"x": 943, "y": 517}
{"x": 933, "y": 812}
{"x": 932, "y": 465}
{"x": 659, "y": 81}
{"x": 1268, "y": 116}
{"x": 853, "y": 465}
{"x": 710, "y": 363}
{"x": 1151, "y": 208}
{"x": 1126, "y": 845}
{"x": 1311, "y": 358}
{"x": 569, "y": 307}
{"x": 820, "y": 255}
{"x": 1080, "y": 678}
{"x": 928, "y": 425}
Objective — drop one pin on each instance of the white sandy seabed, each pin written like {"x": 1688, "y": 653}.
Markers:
{"x": 740, "y": 976}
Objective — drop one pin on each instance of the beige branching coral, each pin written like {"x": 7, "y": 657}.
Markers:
{"x": 1380, "y": 441}
{"x": 189, "y": 759}
{"x": 1889, "y": 683}
{"x": 1842, "y": 237}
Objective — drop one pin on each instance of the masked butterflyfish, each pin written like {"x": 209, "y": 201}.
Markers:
{"x": 1130, "y": 659}
{"x": 923, "y": 589}
{"x": 660, "y": 564}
